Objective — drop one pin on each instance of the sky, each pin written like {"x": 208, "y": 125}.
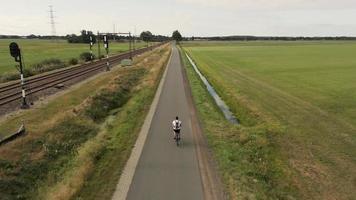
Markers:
{"x": 190, "y": 17}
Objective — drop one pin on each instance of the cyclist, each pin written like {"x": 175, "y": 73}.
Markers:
{"x": 176, "y": 125}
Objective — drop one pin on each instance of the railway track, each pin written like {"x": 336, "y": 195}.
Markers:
{"x": 12, "y": 92}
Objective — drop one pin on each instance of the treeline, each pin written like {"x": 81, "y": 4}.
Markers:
{"x": 160, "y": 38}
{"x": 253, "y": 38}
{"x": 84, "y": 37}
{"x": 147, "y": 36}
{"x": 32, "y": 36}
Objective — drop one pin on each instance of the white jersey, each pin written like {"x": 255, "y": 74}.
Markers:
{"x": 176, "y": 124}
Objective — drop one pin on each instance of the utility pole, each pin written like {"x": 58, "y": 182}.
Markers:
{"x": 106, "y": 45}
{"x": 98, "y": 41}
{"x": 15, "y": 52}
{"x": 53, "y": 24}
{"x": 134, "y": 39}
{"x": 130, "y": 45}
{"x": 114, "y": 35}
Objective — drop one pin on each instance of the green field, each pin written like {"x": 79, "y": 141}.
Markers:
{"x": 307, "y": 90}
{"x": 35, "y": 51}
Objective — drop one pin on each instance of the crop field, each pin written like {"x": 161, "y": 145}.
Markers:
{"x": 307, "y": 90}
{"x": 35, "y": 51}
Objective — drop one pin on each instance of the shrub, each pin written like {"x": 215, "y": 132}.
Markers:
{"x": 28, "y": 72}
{"x": 73, "y": 61}
{"x": 37, "y": 68}
{"x": 65, "y": 137}
{"x": 86, "y": 56}
{"x": 59, "y": 145}
{"x": 107, "y": 100}
{"x": 9, "y": 76}
{"x": 47, "y": 65}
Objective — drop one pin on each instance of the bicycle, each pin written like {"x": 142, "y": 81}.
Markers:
{"x": 177, "y": 137}
{"x": 176, "y": 125}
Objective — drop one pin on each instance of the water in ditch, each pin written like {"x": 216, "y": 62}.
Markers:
{"x": 221, "y": 104}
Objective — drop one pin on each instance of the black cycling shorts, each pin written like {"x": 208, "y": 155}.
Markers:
{"x": 177, "y": 130}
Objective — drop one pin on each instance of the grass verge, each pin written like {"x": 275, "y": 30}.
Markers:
{"x": 122, "y": 131}
{"x": 247, "y": 155}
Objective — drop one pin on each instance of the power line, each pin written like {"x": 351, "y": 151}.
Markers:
{"x": 53, "y": 24}
{"x": 114, "y": 29}
{"x": 134, "y": 39}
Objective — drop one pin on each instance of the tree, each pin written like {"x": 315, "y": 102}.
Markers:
{"x": 84, "y": 37}
{"x": 146, "y": 36}
{"x": 32, "y": 36}
{"x": 177, "y": 36}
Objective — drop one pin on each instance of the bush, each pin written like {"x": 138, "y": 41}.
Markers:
{"x": 59, "y": 145}
{"x": 86, "y": 56}
{"x": 47, "y": 65}
{"x": 28, "y": 72}
{"x": 9, "y": 76}
{"x": 65, "y": 137}
{"x": 73, "y": 61}
{"x": 37, "y": 68}
{"x": 107, "y": 100}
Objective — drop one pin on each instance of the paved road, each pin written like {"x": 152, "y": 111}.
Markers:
{"x": 166, "y": 171}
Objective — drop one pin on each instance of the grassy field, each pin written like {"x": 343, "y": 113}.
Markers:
{"x": 306, "y": 91}
{"x": 82, "y": 137}
{"x": 35, "y": 50}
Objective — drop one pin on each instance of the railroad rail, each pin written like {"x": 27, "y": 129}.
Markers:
{"x": 12, "y": 92}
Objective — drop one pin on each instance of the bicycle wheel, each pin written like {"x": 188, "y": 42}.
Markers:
{"x": 178, "y": 139}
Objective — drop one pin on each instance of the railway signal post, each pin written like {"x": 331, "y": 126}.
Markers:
{"x": 106, "y": 45}
{"x": 91, "y": 48}
{"x": 130, "y": 45}
{"x": 134, "y": 42}
{"x": 98, "y": 41}
{"x": 15, "y": 52}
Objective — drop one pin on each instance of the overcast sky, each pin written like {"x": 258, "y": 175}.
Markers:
{"x": 191, "y": 17}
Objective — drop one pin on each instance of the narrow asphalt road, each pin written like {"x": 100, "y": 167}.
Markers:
{"x": 166, "y": 171}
